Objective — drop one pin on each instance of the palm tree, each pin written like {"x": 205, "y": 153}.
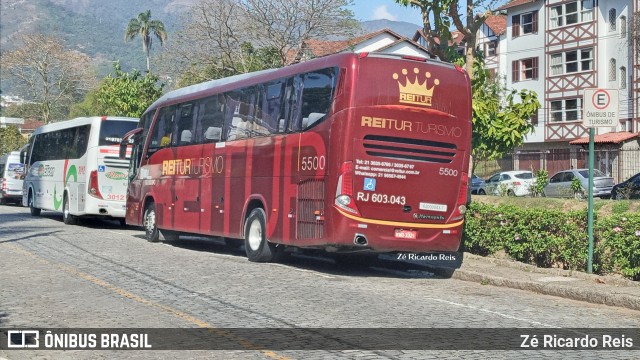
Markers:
{"x": 143, "y": 26}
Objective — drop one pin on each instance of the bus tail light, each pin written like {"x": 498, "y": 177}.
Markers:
{"x": 344, "y": 192}
{"x": 461, "y": 204}
{"x": 4, "y": 184}
{"x": 94, "y": 190}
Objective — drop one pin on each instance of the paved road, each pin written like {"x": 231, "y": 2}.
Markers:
{"x": 99, "y": 275}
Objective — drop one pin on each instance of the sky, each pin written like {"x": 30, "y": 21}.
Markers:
{"x": 385, "y": 9}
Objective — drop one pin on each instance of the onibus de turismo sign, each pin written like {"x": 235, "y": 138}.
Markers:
{"x": 600, "y": 108}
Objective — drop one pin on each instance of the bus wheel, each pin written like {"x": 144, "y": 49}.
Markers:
{"x": 151, "y": 232}
{"x": 34, "y": 210}
{"x": 66, "y": 214}
{"x": 256, "y": 246}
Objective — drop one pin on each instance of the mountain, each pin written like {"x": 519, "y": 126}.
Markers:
{"x": 401, "y": 27}
{"x": 94, "y": 27}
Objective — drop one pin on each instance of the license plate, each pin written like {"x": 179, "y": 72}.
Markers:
{"x": 406, "y": 234}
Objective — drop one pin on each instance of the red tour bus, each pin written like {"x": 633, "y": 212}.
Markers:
{"x": 345, "y": 153}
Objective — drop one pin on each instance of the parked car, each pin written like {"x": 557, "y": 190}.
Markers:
{"x": 628, "y": 189}
{"x": 511, "y": 183}
{"x": 476, "y": 183}
{"x": 560, "y": 184}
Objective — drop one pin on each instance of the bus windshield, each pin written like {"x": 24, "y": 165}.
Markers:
{"x": 112, "y": 131}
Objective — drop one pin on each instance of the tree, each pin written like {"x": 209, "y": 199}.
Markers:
{"x": 11, "y": 139}
{"x": 125, "y": 94}
{"x": 145, "y": 27}
{"x": 225, "y": 37}
{"x": 47, "y": 74}
{"x": 439, "y": 16}
{"x": 500, "y": 117}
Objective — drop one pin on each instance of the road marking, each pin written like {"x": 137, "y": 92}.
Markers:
{"x": 167, "y": 309}
{"x": 493, "y": 312}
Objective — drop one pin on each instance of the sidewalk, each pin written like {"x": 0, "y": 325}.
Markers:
{"x": 608, "y": 290}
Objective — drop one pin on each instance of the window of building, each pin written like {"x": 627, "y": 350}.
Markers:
{"x": 612, "y": 69}
{"x": 571, "y": 13}
{"x": 525, "y": 69}
{"x": 571, "y": 61}
{"x": 565, "y": 110}
{"x": 623, "y": 27}
{"x": 623, "y": 77}
{"x": 612, "y": 19}
{"x": 490, "y": 48}
{"x": 523, "y": 24}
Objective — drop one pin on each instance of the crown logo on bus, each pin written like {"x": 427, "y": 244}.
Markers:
{"x": 416, "y": 92}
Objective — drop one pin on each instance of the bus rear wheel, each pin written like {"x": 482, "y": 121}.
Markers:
{"x": 151, "y": 232}
{"x": 256, "y": 246}
{"x": 66, "y": 214}
{"x": 34, "y": 210}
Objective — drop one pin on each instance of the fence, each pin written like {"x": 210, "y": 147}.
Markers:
{"x": 621, "y": 164}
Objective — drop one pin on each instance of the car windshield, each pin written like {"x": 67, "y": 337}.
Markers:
{"x": 596, "y": 173}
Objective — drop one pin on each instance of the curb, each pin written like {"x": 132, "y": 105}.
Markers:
{"x": 586, "y": 295}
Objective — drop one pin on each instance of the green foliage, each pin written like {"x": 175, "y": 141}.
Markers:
{"x": 11, "y": 139}
{"x": 542, "y": 179}
{"x": 251, "y": 59}
{"x": 620, "y": 207}
{"x": 576, "y": 187}
{"x": 500, "y": 122}
{"x": 618, "y": 248}
{"x": 144, "y": 27}
{"x": 125, "y": 94}
{"x": 555, "y": 238}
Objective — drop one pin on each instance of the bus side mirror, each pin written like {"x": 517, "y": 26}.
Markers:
{"x": 23, "y": 154}
{"x": 124, "y": 143}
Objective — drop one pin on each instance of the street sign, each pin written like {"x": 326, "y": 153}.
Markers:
{"x": 600, "y": 108}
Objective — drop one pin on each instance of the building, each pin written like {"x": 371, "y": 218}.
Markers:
{"x": 383, "y": 41}
{"x": 26, "y": 126}
{"x": 558, "y": 48}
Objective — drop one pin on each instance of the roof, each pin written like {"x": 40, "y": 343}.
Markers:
{"x": 608, "y": 138}
{"x": 497, "y": 23}
{"x": 515, "y": 3}
{"x": 321, "y": 48}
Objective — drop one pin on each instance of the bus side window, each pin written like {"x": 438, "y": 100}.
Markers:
{"x": 161, "y": 133}
{"x": 186, "y": 116}
{"x": 295, "y": 105}
{"x": 317, "y": 96}
{"x": 210, "y": 120}
{"x": 271, "y": 96}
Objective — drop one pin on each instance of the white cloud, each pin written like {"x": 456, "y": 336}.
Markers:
{"x": 381, "y": 12}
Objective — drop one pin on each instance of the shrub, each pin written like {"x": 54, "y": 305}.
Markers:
{"x": 554, "y": 238}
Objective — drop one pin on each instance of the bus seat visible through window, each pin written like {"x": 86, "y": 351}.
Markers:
{"x": 185, "y": 137}
{"x": 213, "y": 134}
{"x": 312, "y": 119}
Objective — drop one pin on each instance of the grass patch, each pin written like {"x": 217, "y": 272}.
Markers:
{"x": 601, "y": 207}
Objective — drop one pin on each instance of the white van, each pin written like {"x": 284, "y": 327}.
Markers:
{"x": 11, "y": 175}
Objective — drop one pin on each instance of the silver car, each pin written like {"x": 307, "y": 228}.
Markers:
{"x": 560, "y": 184}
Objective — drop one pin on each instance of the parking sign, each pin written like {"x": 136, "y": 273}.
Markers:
{"x": 600, "y": 108}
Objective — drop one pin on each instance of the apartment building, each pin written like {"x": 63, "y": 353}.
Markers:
{"x": 558, "y": 48}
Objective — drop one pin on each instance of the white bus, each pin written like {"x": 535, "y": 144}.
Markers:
{"x": 73, "y": 167}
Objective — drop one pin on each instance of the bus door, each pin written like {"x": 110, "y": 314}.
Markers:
{"x": 211, "y": 163}
{"x": 186, "y": 170}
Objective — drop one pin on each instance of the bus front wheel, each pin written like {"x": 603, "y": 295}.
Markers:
{"x": 151, "y": 232}
{"x": 67, "y": 218}
{"x": 34, "y": 210}
{"x": 257, "y": 247}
